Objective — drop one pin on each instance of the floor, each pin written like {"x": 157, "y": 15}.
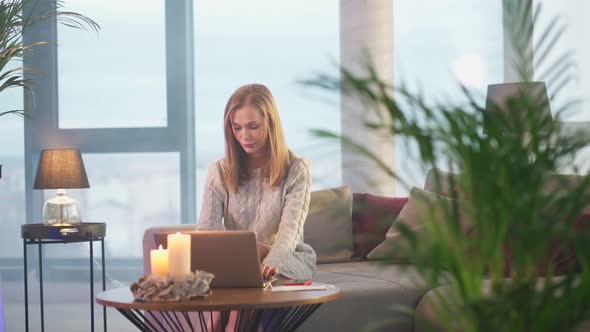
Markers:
{"x": 64, "y": 317}
{"x": 66, "y": 306}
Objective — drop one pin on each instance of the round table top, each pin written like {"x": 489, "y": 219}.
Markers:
{"x": 222, "y": 299}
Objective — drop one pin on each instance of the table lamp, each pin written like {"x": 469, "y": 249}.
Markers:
{"x": 516, "y": 97}
{"x": 61, "y": 169}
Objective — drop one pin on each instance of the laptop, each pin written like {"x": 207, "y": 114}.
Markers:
{"x": 232, "y": 256}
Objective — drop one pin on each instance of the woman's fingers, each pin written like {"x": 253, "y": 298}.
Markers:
{"x": 265, "y": 271}
{"x": 268, "y": 271}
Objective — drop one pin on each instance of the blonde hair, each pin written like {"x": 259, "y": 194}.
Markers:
{"x": 278, "y": 155}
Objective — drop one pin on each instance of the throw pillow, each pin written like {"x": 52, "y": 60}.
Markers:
{"x": 418, "y": 210}
{"x": 431, "y": 184}
{"x": 328, "y": 227}
{"x": 562, "y": 258}
{"x": 372, "y": 217}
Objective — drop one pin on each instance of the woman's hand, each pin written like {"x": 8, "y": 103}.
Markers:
{"x": 268, "y": 271}
{"x": 262, "y": 252}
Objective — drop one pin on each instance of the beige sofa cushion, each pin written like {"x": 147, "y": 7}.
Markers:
{"x": 328, "y": 227}
{"x": 430, "y": 184}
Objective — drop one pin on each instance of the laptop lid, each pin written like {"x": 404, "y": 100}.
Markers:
{"x": 232, "y": 256}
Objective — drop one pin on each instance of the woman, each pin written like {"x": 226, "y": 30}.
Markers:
{"x": 260, "y": 185}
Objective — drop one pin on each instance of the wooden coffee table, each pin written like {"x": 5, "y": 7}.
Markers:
{"x": 252, "y": 309}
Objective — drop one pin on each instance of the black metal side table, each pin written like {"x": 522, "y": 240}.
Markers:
{"x": 41, "y": 234}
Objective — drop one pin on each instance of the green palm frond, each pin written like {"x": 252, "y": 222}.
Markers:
{"x": 13, "y": 25}
{"x": 502, "y": 179}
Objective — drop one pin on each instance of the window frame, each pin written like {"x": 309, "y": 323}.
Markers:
{"x": 42, "y": 129}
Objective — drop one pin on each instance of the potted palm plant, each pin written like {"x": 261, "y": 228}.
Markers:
{"x": 499, "y": 275}
{"x": 13, "y": 24}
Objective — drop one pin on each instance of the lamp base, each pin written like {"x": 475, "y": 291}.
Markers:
{"x": 61, "y": 210}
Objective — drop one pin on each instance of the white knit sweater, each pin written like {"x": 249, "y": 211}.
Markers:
{"x": 275, "y": 214}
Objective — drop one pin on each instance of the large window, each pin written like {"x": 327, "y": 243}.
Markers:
{"x": 12, "y": 183}
{"x": 116, "y": 77}
{"x": 437, "y": 45}
{"x": 124, "y": 98}
{"x": 101, "y": 86}
{"x": 576, "y": 39}
{"x": 276, "y": 44}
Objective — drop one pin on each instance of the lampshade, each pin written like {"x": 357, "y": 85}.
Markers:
{"x": 516, "y": 97}
{"x": 61, "y": 169}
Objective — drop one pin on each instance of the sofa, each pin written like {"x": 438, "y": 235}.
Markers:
{"x": 343, "y": 228}
{"x": 372, "y": 293}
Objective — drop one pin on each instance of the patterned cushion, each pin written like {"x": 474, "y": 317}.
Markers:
{"x": 421, "y": 207}
{"x": 372, "y": 216}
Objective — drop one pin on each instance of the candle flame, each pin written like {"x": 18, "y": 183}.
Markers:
{"x": 160, "y": 248}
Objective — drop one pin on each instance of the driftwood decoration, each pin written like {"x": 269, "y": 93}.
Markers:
{"x": 155, "y": 288}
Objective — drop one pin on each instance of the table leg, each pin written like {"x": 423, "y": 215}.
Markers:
{"x": 104, "y": 308}
{"x": 280, "y": 319}
{"x": 26, "y": 285}
{"x": 41, "y": 285}
{"x": 91, "y": 285}
{"x": 289, "y": 316}
{"x": 134, "y": 319}
{"x": 202, "y": 321}
{"x": 167, "y": 320}
{"x": 156, "y": 317}
{"x": 188, "y": 320}
{"x": 296, "y": 316}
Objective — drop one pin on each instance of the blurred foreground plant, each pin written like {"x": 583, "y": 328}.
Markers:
{"x": 502, "y": 185}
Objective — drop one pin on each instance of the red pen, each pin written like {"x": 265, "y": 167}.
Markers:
{"x": 298, "y": 282}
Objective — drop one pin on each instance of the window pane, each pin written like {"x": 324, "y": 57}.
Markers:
{"x": 129, "y": 192}
{"x": 576, "y": 39}
{"x": 12, "y": 183}
{"x": 13, "y": 206}
{"x": 116, "y": 78}
{"x": 273, "y": 43}
{"x": 438, "y": 44}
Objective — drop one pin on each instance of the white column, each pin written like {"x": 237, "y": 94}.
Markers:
{"x": 511, "y": 17}
{"x": 366, "y": 25}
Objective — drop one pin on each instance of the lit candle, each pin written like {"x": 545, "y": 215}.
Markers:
{"x": 159, "y": 261}
{"x": 179, "y": 255}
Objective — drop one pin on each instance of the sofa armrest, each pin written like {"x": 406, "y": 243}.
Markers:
{"x": 149, "y": 242}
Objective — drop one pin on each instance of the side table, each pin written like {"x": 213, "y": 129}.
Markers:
{"x": 286, "y": 311}
{"x": 41, "y": 234}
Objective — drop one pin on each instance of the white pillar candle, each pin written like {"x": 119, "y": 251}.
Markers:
{"x": 179, "y": 255}
{"x": 159, "y": 261}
